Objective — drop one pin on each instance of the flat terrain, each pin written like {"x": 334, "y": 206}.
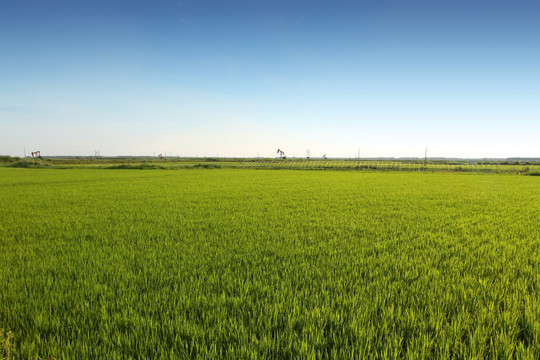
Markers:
{"x": 239, "y": 263}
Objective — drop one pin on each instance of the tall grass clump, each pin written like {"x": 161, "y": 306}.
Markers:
{"x": 142, "y": 166}
{"x": 28, "y": 164}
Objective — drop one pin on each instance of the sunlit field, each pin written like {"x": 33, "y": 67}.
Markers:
{"x": 254, "y": 263}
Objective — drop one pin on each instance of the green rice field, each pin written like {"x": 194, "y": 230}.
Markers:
{"x": 268, "y": 264}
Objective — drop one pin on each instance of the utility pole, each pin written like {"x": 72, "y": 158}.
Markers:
{"x": 425, "y": 157}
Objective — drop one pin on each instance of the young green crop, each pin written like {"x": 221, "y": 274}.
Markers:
{"x": 268, "y": 264}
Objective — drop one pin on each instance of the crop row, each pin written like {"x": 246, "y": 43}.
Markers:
{"x": 386, "y": 165}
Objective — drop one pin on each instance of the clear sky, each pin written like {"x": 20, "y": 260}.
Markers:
{"x": 243, "y": 78}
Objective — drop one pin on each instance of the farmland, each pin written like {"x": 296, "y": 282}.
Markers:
{"x": 531, "y": 167}
{"x": 256, "y": 263}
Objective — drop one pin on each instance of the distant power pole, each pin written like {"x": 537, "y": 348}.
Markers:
{"x": 24, "y": 152}
{"x": 358, "y": 153}
{"x": 308, "y": 153}
{"x": 425, "y": 157}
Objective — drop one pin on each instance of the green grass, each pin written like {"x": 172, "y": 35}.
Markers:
{"x": 177, "y": 163}
{"x": 229, "y": 263}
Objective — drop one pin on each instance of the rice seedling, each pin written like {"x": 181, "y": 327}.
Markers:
{"x": 239, "y": 263}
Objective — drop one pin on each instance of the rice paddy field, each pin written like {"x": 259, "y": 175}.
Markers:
{"x": 254, "y": 263}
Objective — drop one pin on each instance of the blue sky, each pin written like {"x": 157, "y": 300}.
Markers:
{"x": 243, "y": 78}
